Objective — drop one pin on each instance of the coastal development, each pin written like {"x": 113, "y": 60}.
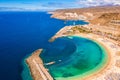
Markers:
{"x": 104, "y": 29}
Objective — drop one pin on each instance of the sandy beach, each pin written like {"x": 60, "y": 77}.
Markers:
{"x": 110, "y": 70}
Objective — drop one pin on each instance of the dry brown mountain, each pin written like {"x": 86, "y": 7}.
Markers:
{"x": 105, "y": 19}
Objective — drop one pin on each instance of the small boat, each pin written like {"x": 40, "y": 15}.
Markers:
{"x": 50, "y": 63}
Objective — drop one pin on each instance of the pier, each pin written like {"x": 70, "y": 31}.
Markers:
{"x": 38, "y": 71}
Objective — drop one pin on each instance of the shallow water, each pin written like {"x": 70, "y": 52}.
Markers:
{"x": 73, "y": 56}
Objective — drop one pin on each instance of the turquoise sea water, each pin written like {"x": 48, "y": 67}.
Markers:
{"x": 73, "y": 56}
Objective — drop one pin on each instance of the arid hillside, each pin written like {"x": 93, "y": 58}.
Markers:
{"x": 104, "y": 19}
{"x": 89, "y": 13}
{"x": 107, "y": 18}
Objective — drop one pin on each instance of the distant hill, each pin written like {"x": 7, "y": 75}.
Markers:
{"x": 94, "y": 10}
{"x": 101, "y": 15}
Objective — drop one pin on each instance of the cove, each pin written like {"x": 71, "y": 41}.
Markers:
{"x": 74, "y": 57}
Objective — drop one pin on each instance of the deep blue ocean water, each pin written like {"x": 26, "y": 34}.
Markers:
{"x": 20, "y": 34}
